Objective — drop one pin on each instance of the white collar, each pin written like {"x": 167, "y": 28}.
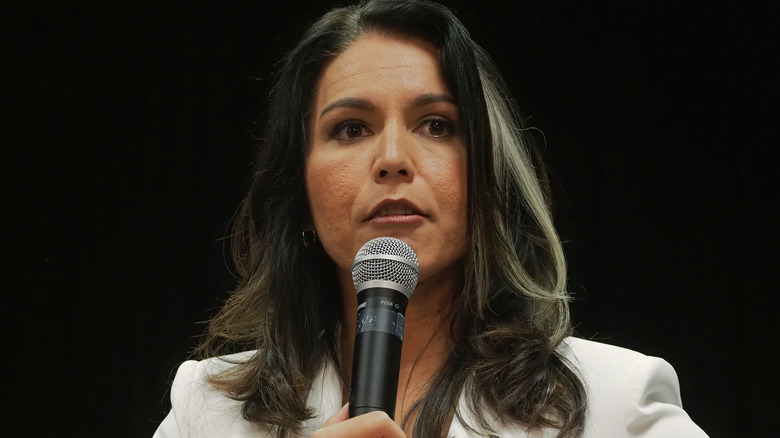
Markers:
{"x": 325, "y": 398}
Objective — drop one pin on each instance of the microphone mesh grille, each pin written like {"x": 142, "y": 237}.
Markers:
{"x": 404, "y": 273}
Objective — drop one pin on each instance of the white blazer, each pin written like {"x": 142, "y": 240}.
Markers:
{"x": 629, "y": 395}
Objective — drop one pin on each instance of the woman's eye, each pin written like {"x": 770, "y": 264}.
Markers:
{"x": 437, "y": 128}
{"x": 350, "y": 130}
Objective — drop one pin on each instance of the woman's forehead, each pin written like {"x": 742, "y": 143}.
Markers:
{"x": 375, "y": 62}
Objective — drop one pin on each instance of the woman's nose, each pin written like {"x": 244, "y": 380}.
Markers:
{"x": 394, "y": 160}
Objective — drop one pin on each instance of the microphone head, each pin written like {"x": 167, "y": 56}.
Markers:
{"x": 386, "y": 262}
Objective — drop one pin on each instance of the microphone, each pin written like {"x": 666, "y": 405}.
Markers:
{"x": 385, "y": 273}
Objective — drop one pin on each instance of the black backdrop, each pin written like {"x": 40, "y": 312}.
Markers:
{"x": 126, "y": 149}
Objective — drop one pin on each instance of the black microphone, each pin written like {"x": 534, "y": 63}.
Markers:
{"x": 385, "y": 273}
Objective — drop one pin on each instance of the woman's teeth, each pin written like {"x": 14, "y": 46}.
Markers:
{"x": 394, "y": 210}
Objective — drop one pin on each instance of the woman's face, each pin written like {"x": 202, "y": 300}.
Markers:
{"x": 386, "y": 156}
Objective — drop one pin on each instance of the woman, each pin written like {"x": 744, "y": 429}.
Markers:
{"x": 388, "y": 120}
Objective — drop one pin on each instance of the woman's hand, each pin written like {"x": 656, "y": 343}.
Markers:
{"x": 371, "y": 425}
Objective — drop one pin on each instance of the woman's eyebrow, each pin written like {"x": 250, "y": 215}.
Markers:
{"x": 348, "y": 102}
{"x": 425, "y": 99}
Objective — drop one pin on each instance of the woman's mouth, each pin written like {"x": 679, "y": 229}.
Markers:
{"x": 395, "y": 212}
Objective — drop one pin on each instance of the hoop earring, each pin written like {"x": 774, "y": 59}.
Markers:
{"x": 309, "y": 237}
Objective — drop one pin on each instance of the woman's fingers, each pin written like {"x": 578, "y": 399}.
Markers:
{"x": 371, "y": 425}
{"x": 338, "y": 417}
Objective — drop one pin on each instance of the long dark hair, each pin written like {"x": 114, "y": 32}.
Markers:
{"x": 512, "y": 313}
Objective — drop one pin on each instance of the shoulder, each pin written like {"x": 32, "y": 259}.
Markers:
{"x": 200, "y": 410}
{"x": 629, "y": 393}
{"x": 596, "y": 360}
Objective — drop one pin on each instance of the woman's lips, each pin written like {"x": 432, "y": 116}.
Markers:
{"x": 396, "y": 219}
{"x": 395, "y": 212}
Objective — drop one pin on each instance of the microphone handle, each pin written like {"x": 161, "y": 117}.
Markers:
{"x": 376, "y": 358}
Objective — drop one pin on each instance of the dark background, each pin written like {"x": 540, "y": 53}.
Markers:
{"x": 126, "y": 149}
